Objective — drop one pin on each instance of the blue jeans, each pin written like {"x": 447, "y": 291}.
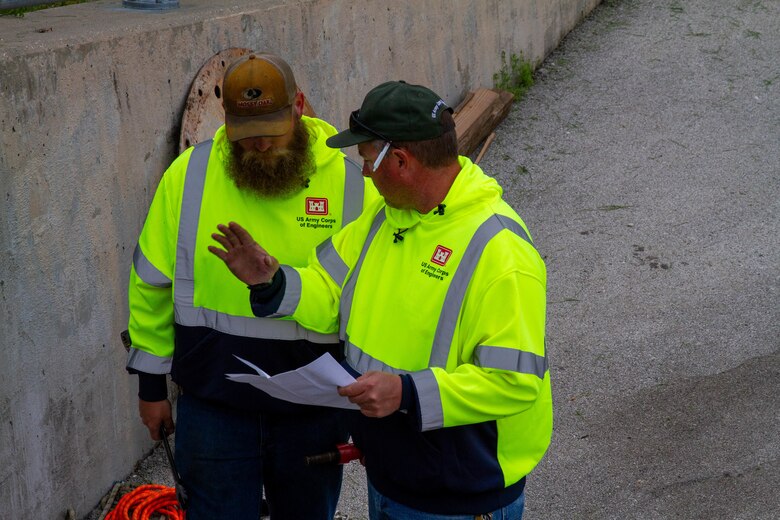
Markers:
{"x": 382, "y": 508}
{"x": 226, "y": 457}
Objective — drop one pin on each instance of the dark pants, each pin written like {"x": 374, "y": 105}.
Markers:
{"x": 226, "y": 457}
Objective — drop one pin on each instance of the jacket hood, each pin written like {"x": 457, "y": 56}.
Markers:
{"x": 471, "y": 189}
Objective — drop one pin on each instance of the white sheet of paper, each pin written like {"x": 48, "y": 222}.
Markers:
{"x": 314, "y": 383}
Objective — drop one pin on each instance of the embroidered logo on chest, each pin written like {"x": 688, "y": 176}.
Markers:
{"x": 441, "y": 255}
{"x": 316, "y": 206}
{"x": 435, "y": 268}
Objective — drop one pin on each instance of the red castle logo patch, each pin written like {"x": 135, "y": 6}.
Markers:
{"x": 441, "y": 255}
{"x": 316, "y": 206}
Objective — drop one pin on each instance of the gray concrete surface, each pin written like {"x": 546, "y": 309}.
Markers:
{"x": 91, "y": 99}
{"x": 646, "y": 162}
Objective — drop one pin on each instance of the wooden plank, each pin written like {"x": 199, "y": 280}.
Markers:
{"x": 485, "y": 146}
{"x": 466, "y": 99}
{"x": 470, "y": 120}
{"x": 478, "y": 115}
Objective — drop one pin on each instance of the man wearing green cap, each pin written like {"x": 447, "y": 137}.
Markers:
{"x": 269, "y": 167}
{"x": 439, "y": 296}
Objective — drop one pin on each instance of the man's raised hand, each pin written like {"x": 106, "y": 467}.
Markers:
{"x": 249, "y": 262}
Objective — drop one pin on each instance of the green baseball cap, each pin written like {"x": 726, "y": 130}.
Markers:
{"x": 394, "y": 111}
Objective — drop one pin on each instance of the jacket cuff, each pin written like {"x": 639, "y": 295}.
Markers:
{"x": 266, "y": 298}
{"x": 152, "y": 387}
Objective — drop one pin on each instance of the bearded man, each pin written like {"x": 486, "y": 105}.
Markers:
{"x": 269, "y": 167}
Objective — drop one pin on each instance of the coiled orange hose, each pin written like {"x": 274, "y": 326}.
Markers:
{"x": 145, "y": 501}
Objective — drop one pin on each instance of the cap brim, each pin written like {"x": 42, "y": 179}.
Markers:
{"x": 347, "y": 138}
{"x": 267, "y": 125}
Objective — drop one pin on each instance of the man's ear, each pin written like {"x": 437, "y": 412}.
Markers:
{"x": 401, "y": 157}
{"x": 298, "y": 104}
{"x": 407, "y": 162}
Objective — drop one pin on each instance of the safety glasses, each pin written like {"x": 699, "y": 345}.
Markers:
{"x": 381, "y": 156}
{"x": 355, "y": 125}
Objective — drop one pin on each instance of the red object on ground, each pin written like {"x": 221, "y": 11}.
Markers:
{"x": 145, "y": 501}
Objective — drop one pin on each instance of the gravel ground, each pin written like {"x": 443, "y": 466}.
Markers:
{"x": 646, "y": 162}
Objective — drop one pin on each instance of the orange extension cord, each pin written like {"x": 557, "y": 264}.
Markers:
{"x": 145, "y": 501}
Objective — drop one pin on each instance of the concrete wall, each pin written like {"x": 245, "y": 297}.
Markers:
{"x": 91, "y": 99}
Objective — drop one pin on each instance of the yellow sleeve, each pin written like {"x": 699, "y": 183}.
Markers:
{"x": 502, "y": 363}
{"x": 150, "y": 291}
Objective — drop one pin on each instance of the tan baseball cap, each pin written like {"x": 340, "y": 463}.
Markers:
{"x": 258, "y": 92}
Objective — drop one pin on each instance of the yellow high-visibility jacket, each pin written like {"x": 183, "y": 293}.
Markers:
{"x": 453, "y": 300}
{"x": 188, "y": 314}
